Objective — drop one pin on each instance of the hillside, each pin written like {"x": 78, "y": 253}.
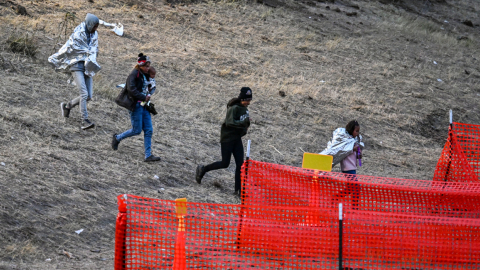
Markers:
{"x": 397, "y": 66}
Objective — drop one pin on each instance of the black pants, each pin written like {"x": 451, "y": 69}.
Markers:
{"x": 228, "y": 148}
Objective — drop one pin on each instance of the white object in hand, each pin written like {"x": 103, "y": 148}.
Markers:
{"x": 117, "y": 28}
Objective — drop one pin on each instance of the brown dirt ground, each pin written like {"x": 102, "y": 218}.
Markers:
{"x": 368, "y": 60}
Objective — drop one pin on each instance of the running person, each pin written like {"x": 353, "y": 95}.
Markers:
{"x": 78, "y": 56}
{"x": 137, "y": 87}
{"x": 233, "y": 129}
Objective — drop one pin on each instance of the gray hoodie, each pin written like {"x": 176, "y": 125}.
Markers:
{"x": 79, "y": 53}
{"x": 90, "y": 21}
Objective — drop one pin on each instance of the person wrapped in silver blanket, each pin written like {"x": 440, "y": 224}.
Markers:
{"x": 79, "y": 56}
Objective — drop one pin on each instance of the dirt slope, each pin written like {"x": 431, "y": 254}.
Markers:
{"x": 395, "y": 66}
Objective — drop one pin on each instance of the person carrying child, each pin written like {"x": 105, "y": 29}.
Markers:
{"x": 152, "y": 87}
{"x": 233, "y": 129}
{"x": 139, "y": 96}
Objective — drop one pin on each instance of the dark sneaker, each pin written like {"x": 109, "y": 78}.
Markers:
{"x": 200, "y": 173}
{"x": 115, "y": 142}
{"x": 87, "y": 124}
{"x": 152, "y": 158}
{"x": 65, "y": 110}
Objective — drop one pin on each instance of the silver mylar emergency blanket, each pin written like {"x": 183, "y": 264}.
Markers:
{"x": 341, "y": 145}
{"x": 75, "y": 50}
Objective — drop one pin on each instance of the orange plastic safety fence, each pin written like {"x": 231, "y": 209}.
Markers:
{"x": 460, "y": 158}
{"x": 280, "y": 185}
{"x": 389, "y": 223}
{"x": 374, "y": 240}
{"x": 215, "y": 236}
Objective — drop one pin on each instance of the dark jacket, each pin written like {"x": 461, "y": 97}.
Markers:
{"x": 236, "y": 123}
{"x": 134, "y": 87}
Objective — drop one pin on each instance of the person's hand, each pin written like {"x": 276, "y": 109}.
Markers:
{"x": 147, "y": 98}
{"x": 355, "y": 148}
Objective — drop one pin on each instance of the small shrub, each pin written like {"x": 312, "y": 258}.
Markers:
{"x": 64, "y": 27}
{"x": 22, "y": 44}
{"x": 68, "y": 22}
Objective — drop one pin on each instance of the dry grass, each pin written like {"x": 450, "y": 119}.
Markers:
{"x": 59, "y": 179}
{"x": 22, "y": 43}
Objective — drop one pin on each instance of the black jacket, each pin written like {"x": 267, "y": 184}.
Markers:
{"x": 134, "y": 87}
{"x": 236, "y": 123}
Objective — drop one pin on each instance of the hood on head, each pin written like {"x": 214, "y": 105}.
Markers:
{"x": 90, "y": 21}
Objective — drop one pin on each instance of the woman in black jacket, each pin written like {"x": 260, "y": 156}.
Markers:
{"x": 233, "y": 129}
{"x": 137, "y": 88}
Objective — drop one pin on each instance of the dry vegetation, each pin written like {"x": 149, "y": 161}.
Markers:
{"x": 334, "y": 62}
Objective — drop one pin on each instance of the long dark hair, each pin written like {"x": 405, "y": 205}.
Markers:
{"x": 350, "y": 128}
{"x": 233, "y": 101}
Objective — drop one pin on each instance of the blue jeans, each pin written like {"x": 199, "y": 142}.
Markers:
{"x": 85, "y": 86}
{"x": 141, "y": 120}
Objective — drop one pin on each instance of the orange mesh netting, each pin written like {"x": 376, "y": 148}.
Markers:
{"x": 460, "y": 159}
{"x": 216, "y": 236}
{"x": 280, "y": 185}
{"x": 289, "y": 219}
{"x": 397, "y": 220}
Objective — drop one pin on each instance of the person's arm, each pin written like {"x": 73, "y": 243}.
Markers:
{"x": 132, "y": 87}
{"x": 231, "y": 122}
{"x": 355, "y": 150}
